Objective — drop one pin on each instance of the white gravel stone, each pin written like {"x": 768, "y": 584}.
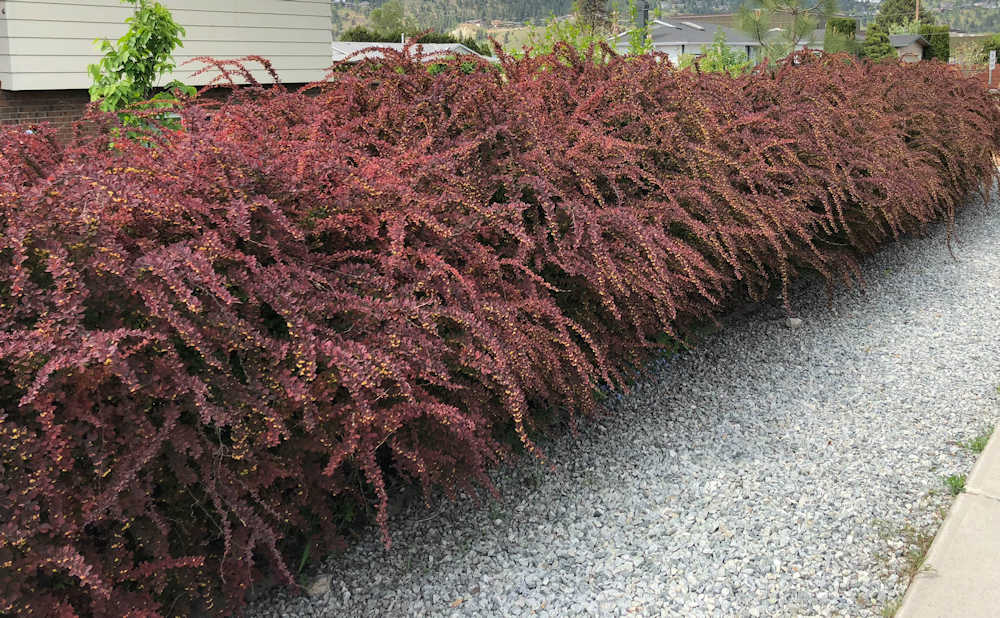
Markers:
{"x": 793, "y": 322}
{"x": 764, "y": 473}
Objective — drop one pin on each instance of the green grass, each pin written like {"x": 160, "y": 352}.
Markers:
{"x": 978, "y": 444}
{"x": 955, "y": 483}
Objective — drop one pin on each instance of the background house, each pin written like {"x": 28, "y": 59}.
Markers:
{"x": 909, "y": 47}
{"x": 676, "y": 38}
{"x": 46, "y": 45}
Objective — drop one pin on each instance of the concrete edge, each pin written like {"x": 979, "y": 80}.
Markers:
{"x": 922, "y": 594}
{"x": 984, "y": 478}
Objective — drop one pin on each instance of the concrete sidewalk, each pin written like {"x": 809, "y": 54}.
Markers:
{"x": 961, "y": 575}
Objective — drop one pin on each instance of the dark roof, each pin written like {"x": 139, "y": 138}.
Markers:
{"x": 666, "y": 32}
{"x": 902, "y": 40}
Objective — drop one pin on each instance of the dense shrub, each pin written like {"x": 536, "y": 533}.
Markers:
{"x": 983, "y": 50}
{"x": 215, "y": 343}
{"x": 841, "y": 35}
{"x": 846, "y": 26}
{"x": 939, "y": 38}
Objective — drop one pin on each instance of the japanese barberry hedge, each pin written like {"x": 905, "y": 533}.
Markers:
{"x": 214, "y": 341}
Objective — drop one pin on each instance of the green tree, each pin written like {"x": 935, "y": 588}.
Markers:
{"x": 898, "y": 12}
{"x": 841, "y": 36}
{"x": 780, "y": 26}
{"x": 719, "y": 57}
{"x": 391, "y": 17}
{"x": 639, "y": 41}
{"x": 568, "y": 30}
{"x": 846, "y": 26}
{"x": 128, "y": 72}
{"x": 990, "y": 44}
{"x": 939, "y": 38}
{"x": 910, "y": 25}
{"x": 876, "y": 46}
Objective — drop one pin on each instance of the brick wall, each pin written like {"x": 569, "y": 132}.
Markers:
{"x": 60, "y": 108}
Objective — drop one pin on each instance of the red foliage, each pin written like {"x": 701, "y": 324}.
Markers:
{"x": 207, "y": 338}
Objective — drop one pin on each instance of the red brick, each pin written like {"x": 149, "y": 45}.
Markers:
{"x": 57, "y": 107}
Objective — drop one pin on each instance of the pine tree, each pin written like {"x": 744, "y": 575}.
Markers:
{"x": 877, "y": 46}
{"x": 798, "y": 20}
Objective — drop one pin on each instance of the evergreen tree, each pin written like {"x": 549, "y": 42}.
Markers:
{"x": 899, "y": 12}
{"x": 391, "y": 17}
{"x": 841, "y": 36}
{"x": 877, "y": 46}
{"x": 800, "y": 18}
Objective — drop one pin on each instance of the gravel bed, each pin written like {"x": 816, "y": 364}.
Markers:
{"x": 772, "y": 471}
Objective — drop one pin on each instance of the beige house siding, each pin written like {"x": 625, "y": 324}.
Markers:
{"x": 910, "y": 53}
{"x": 47, "y": 44}
{"x": 4, "y": 53}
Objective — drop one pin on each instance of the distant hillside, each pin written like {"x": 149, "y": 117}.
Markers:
{"x": 445, "y": 15}
{"x": 961, "y": 15}
{"x": 968, "y": 16}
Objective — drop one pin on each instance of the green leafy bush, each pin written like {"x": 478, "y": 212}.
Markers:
{"x": 990, "y": 44}
{"x": 567, "y": 31}
{"x": 939, "y": 38}
{"x": 846, "y": 26}
{"x": 719, "y": 58}
{"x": 128, "y": 72}
{"x": 841, "y": 36}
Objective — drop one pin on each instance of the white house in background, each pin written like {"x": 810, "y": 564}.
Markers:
{"x": 676, "y": 38}
{"x": 430, "y": 51}
{"x": 46, "y": 45}
{"x": 909, "y": 47}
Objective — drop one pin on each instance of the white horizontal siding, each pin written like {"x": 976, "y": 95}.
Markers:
{"x": 24, "y": 48}
{"x": 84, "y": 31}
{"x": 185, "y": 64}
{"x": 49, "y": 44}
{"x": 115, "y": 14}
{"x": 4, "y": 55}
{"x": 276, "y": 7}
